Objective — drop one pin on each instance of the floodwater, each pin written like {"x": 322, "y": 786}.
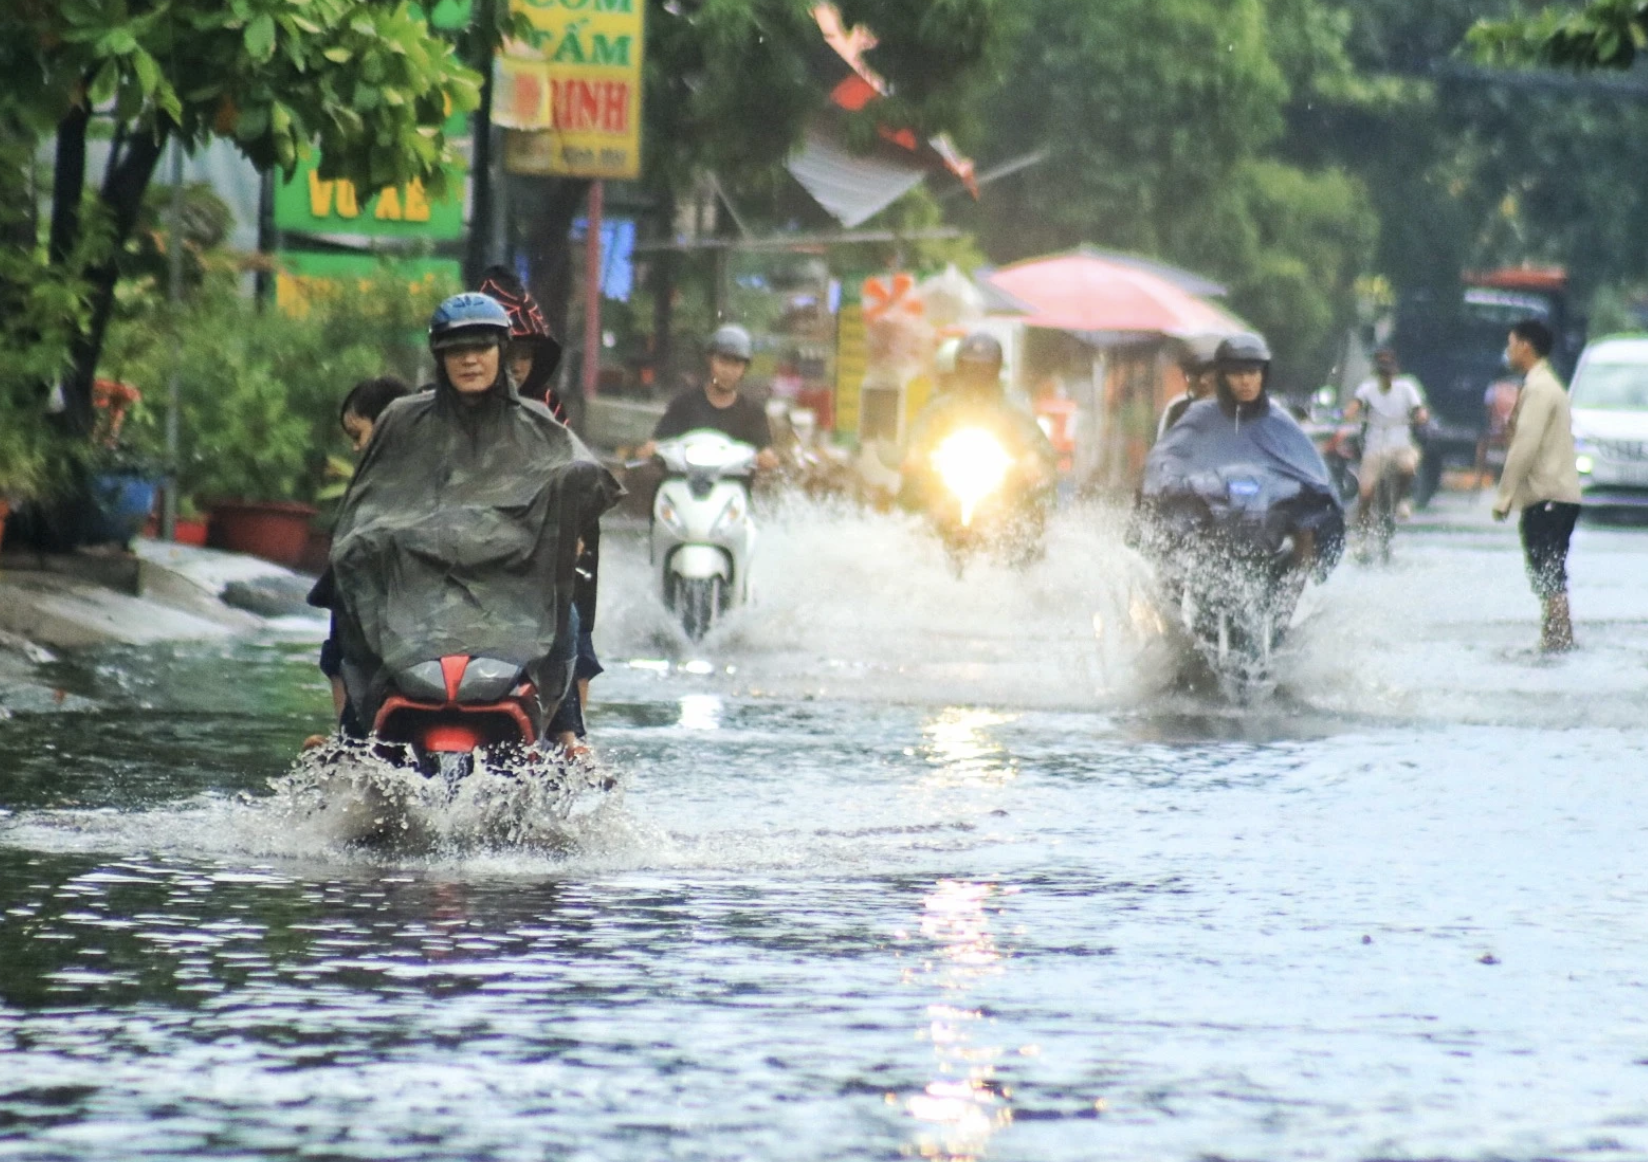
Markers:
{"x": 899, "y": 866}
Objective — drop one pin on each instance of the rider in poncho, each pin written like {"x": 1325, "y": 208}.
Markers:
{"x": 459, "y": 533}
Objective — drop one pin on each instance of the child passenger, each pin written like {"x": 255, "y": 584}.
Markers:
{"x": 358, "y": 415}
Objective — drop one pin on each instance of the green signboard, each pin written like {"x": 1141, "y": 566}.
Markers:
{"x": 310, "y": 204}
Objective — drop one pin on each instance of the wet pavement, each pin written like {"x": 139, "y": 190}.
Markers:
{"x": 900, "y": 866}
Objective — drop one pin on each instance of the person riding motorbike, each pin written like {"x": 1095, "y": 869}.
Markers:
{"x": 718, "y": 405}
{"x": 1240, "y": 429}
{"x": 532, "y": 359}
{"x": 1197, "y": 364}
{"x": 459, "y": 533}
{"x": 1392, "y": 403}
{"x": 976, "y": 400}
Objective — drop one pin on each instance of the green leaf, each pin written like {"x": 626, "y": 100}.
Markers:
{"x": 102, "y": 86}
{"x": 337, "y": 54}
{"x": 117, "y": 42}
{"x": 260, "y": 37}
{"x": 148, "y": 72}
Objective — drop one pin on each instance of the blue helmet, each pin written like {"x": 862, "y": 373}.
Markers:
{"x": 468, "y": 318}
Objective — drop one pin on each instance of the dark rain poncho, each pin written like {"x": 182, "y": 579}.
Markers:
{"x": 1216, "y": 436}
{"x": 459, "y": 535}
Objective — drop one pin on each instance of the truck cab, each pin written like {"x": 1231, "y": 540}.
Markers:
{"x": 1455, "y": 343}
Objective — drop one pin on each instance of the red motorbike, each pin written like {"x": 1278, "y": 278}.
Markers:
{"x": 442, "y": 713}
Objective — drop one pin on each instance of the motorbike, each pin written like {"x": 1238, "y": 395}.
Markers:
{"x": 980, "y": 499}
{"x": 702, "y": 536}
{"x": 1228, "y": 555}
{"x": 441, "y": 714}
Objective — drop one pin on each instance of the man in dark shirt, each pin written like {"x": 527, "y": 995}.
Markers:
{"x": 717, "y": 405}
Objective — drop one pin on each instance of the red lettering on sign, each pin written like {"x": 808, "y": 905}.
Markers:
{"x": 590, "y": 106}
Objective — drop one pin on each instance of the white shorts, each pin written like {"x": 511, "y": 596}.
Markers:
{"x": 1403, "y": 461}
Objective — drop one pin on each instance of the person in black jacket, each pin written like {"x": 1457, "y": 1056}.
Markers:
{"x": 717, "y": 405}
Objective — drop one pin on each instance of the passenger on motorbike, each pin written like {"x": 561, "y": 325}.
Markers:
{"x": 532, "y": 358}
{"x": 1197, "y": 364}
{"x": 717, "y": 405}
{"x": 1390, "y": 405}
{"x": 976, "y": 400}
{"x": 459, "y": 533}
{"x": 1240, "y": 426}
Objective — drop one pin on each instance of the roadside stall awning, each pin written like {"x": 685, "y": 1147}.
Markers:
{"x": 1106, "y": 300}
{"x": 854, "y": 185}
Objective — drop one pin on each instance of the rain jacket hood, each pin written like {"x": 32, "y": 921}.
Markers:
{"x": 459, "y": 535}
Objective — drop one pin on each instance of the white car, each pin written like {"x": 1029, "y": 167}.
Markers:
{"x": 1610, "y": 403}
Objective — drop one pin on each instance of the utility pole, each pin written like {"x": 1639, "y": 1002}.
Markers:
{"x": 592, "y": 291}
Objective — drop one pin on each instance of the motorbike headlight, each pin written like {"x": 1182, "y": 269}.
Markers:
{"x": 731, "y": 516}
{"x": 671, "y": 518}
{"x": 973, "y": 465}
{"x": 1585, "y": 463}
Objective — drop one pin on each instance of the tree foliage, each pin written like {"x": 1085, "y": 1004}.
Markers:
{"x": 1165, "y": 122}
{"x": 366, "y": 81}
{"x": 1604, "y": 34}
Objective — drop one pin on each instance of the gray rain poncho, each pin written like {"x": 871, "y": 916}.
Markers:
{"x": 1187, "y": 479}
{"x": 459, "y": 535}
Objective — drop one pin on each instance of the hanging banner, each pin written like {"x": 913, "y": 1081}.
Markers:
{"x": 573, "y": 93}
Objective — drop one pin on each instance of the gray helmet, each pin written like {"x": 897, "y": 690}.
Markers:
{"x": 1245, "y": 350}
{"x": 731, "y": 342}
{"x": 981, "y": 349}
{"x": 1200, "y": 352}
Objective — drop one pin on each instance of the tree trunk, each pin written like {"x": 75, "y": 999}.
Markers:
{"x": 68, "y": 184}
{"x": 124, "y": 184}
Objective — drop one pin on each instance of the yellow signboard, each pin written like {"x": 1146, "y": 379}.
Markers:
{"x": 573, "y": 92}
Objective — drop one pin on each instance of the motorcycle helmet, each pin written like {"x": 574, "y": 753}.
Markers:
{"x": 1245, "y": 350}
{"x": 470, "y": 317}
{"x": 979, "y": 350}
{"x": 1200, "y": 353}
{"x": 731, "y": 342}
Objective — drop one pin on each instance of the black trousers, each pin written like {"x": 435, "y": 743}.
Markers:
{"x": 1547, "y": 528}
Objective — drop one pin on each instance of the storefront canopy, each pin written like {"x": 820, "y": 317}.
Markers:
{"x": 1105, "y": 300}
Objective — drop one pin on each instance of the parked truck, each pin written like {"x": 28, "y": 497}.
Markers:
{"x": 1455, "y": 344}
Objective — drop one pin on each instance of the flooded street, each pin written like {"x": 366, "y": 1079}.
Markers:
{"x": 899, "y": 865}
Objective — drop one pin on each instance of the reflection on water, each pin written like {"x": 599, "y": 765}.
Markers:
{"x": 938, "y": 909}
{"x": 963, "y": 1105}
{"x": 964, "y": 749}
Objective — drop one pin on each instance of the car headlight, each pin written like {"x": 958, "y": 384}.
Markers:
{"x": 731, "y": 516}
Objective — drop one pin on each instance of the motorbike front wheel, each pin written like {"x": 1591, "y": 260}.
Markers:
{"x": 699, "y": 601}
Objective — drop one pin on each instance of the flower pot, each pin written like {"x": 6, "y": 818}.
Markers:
{"x": 122, "y": 502}
{"x": 185, "y": 531}
{"x": 276, "y": 531}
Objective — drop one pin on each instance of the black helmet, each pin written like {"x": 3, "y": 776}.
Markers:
{"x": 731, "y": 342}
{"x": 468, "y": 318}
{"x": 1200, "y": 352}
{"x": 1245, "y": 350}
{"x": 979, "y": 348}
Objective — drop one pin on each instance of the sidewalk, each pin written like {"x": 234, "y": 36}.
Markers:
{"x": 159, "y": 592}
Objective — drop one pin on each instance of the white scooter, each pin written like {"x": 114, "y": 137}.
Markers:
{"x": 702, "y": 534}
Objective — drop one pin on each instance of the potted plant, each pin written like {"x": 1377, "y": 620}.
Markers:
{"x": 22, "y": 463}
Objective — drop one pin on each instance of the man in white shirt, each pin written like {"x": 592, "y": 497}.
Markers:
{"x": 1392, "y": 403}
